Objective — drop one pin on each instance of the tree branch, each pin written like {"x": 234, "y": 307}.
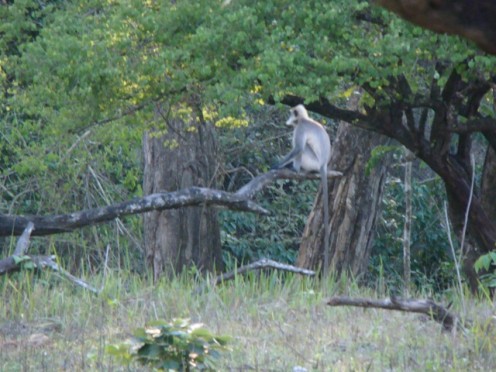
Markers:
{"x": 264, "y": 263}
{"x": 477, "y": 124}
{"x": 19, "y": 260}
{"x": 258, "y": 183}
{"x": 46, "y": 225}
{"x": 325, "y": 108}
{"x": 23, "y": 242}
{"x": 193, "y": 196}
{"x": 440, "y": 314}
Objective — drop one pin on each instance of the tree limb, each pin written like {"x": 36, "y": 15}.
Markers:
{"x": 326, "y": 108}
{"x": 9, "y": 265}
{"x": 449, "y": 321}
{"x": 49, "y": 261}
{"x": 23, "y": 242}
{"x": 19, "y": 260}
{"x": 258, "y": 183}
{"x": 264, "y": 263}
{"x": 46, "y": 225}
{"x": 476, "y": 124}
{"x": 193, "y": 196}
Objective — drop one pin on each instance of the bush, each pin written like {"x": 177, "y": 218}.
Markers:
{"x": 178, "y": 345}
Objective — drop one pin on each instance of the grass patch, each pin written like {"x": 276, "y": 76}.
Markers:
{"x": 277, "y": 321}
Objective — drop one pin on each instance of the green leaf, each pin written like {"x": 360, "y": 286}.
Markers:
{"x": 20, "y": 259}
{"x": 483, "y": 262}
{"x": 150, "y": 351}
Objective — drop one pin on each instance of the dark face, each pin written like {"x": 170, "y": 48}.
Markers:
{"x": 293, "y": 118}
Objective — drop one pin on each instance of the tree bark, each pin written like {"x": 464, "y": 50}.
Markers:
{"x": 354, "y": 205}
{"x": 442, "y": 139}
{"x": 472, "y": 19}
{"x": 488, "y": 189}
{"x": 13, "y": 225}
{"x": 175, "y": 239}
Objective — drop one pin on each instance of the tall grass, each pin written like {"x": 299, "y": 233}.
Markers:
{"x": 277, "y": 321}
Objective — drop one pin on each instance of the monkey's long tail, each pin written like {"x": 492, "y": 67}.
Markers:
{"x": 327, "y": 227}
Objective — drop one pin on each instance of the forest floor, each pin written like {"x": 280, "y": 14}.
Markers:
{"x": 277, "y": 322}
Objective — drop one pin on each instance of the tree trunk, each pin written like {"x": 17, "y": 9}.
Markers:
{"x": 488, "y": 185}
{"x": 440, "y": 139}
{"x": 354, "y": 204}
{"x": 175, "y": 239}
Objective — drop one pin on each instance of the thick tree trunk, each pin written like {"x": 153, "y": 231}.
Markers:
{"x": 175, "y": 239}
{"x": 441, "y": 140}
{"x": 354, "y": 205}
{"x": 488, "y": 185}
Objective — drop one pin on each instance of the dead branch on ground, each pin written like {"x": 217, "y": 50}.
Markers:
{"x": 449, "y": 321}
{"x": 264, "y": 263}
{"x": 20, "y": 260}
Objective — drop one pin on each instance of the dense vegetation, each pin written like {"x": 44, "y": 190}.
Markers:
{"x": 80, "y": 82}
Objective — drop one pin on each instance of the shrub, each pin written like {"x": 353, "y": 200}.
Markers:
{"x": 178, "y": 345}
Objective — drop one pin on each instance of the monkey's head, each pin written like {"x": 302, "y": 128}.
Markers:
{"x": 295, "y": 114}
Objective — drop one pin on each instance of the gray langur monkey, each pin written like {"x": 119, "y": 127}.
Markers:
{"x": 311, "y": 153}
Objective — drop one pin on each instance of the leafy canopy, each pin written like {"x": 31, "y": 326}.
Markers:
{"x": 96, "y": 60}
{"x": 69, "y": 67}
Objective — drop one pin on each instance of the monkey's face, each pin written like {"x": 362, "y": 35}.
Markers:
{"x": 293, "y": 118}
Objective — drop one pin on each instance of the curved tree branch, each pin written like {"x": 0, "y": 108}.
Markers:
{"x": 439, "y": 313}
{"x": 258, "y": 183}
{"x": 194, "y": 196}
{"x": 325, "y": 108}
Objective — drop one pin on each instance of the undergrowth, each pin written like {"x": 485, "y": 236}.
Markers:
{"x": 276, "y": 321}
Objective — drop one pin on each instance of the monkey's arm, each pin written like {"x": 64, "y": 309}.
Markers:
{"x": 299, "y": 141}
{"x": 288, "y": 158}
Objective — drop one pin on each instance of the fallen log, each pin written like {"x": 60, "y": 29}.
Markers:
{"x": 449, "y": 321}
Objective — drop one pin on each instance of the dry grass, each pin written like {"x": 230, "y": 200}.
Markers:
{"x": 277, "y": 323}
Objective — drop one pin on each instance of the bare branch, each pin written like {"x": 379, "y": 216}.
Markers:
{"x": 49, "y": 262}
{"x": 9, "y": 265}
{"x": 46, "y": 225}
{"x": 449, "y": 321}
{"x": 193, "y": 196}
{"x": 23, "y": 242}
{"x": 264, "y": 263}
{"x": 258, "y": 183}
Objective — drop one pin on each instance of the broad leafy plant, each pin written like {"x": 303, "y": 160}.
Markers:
{"x": 178, "y": 345}
{"x": 483, "y": 265}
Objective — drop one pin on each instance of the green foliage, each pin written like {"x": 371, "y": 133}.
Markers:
{"x": 80, "y": 81}
{"x": 25, "y": 262}
{"x": 178, "y": 346}
{"x": 483, "y": 265}
{"x": 247, "y": 237}
{"x": 431, "y": 262}
{"x": 378, "y": 153}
